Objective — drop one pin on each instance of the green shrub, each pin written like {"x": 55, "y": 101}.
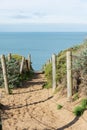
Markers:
{"x": 17, "y": 57}
{"x": 80, "y": 66}
{"x": 61, "y": 67}
{"x": 84, "y": 103}
{"x": 59, "y": 106}
{"x": 15, "y": 79}
{"x": 75, "y": 96}
{"x": 81, "y": 62}
{"x": 48, "y": 72}
{"x": 78, "y": 111}
{"x": 47, "y": 85}
{"x": 48, "y": 75}
{"x": 10, "y": 91}
{"x": 13, "y": 68}
{"x": 26, "y": 75}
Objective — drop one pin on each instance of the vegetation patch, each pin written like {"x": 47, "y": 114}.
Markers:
{"x": 75, "y": 96}
{"x": 78, "y": 111}
{"x": 61, "y": 67}
{"x": 79, "y": 69}
{"x": 27, "y": 75}
{"x": 59, "y": 106}
{"x": 84, "y": 103}
{"x": 47, "y": 85}
{"x": 15, "y": 79}
{"x": 58, "y": 89}
{"x": 17, "y": 57}
{"x": 48, "y": 75}
{"x": 13, "y": 68}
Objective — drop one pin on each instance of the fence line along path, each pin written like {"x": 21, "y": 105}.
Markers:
{"x": 25, "y": 66}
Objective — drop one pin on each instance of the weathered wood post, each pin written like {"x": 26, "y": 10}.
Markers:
{"x": 9, "y": 56}
{"x": 26, "y": 62}
{"x": 54, "y": 72}
{"x": 29, "y": 61}
{"x": 3, "y": 62}
{"x": 69, "y": 75}
{"x": 22, "y": 65}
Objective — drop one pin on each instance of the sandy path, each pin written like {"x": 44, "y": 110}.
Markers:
{"x": 34, "y": 108}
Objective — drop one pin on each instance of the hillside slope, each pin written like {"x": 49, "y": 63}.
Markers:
{"x": 79, "y": 69}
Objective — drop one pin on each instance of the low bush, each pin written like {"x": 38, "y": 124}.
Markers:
{"x": 13, "y": 68}
{"x": 78, "y": 111}
{"x": 59, "y": 106}
{"x": 80, "y": 66}
{"x": 61, "y": 67}
{"x": 26, "y": 75}
{"x": 84, "y": 103}
{"x": 47, "y": 85}
{"x": 48, "y": 74}
{"x": 75, "y": 96}
{"x": 15, "y": 79}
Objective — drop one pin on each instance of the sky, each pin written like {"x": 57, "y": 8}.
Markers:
{"x": 43, "y": 15}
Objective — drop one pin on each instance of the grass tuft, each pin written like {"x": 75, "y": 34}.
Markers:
{"x": 59, "y": 106}
{"x": 78, "y": 111}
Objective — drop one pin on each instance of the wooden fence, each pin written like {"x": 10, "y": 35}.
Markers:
{"x": 27, "y": 64}
{"x": 53, "y": 60}
{"x": 24, "y": 63}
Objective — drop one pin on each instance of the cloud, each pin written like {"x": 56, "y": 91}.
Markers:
{"x": 17, "y": 16}
{"x": 43, "y": 11}
{"x": 20, "y": 16}
{"x": 39, "y": 14}
{"x": 24, "y": 15}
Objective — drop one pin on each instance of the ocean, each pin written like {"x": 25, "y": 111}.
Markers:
{"x": 41, "y": 45}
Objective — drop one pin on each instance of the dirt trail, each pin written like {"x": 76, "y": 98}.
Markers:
{"x": 34, "y": 108}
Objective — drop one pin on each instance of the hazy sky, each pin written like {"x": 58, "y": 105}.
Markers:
{"x": 42, "y": 12}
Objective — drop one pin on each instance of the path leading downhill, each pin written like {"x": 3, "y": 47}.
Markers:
{"x": 34, "y": 108}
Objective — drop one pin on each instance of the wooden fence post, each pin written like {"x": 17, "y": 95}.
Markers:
{"x": 26, "y": 62}
{"x": 22, "y": 65}
{"x": 29, "y": 61}
{"x": 69, "y": 75}
{"x": 3, "y": 62}
{"x": 54, "y": 72}
{"x": 9, "y": 56}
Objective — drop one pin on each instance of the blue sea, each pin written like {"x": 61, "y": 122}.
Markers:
{"x": 41, "y": 45}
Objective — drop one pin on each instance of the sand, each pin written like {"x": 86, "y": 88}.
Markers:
{"x": 33, "y": 108}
